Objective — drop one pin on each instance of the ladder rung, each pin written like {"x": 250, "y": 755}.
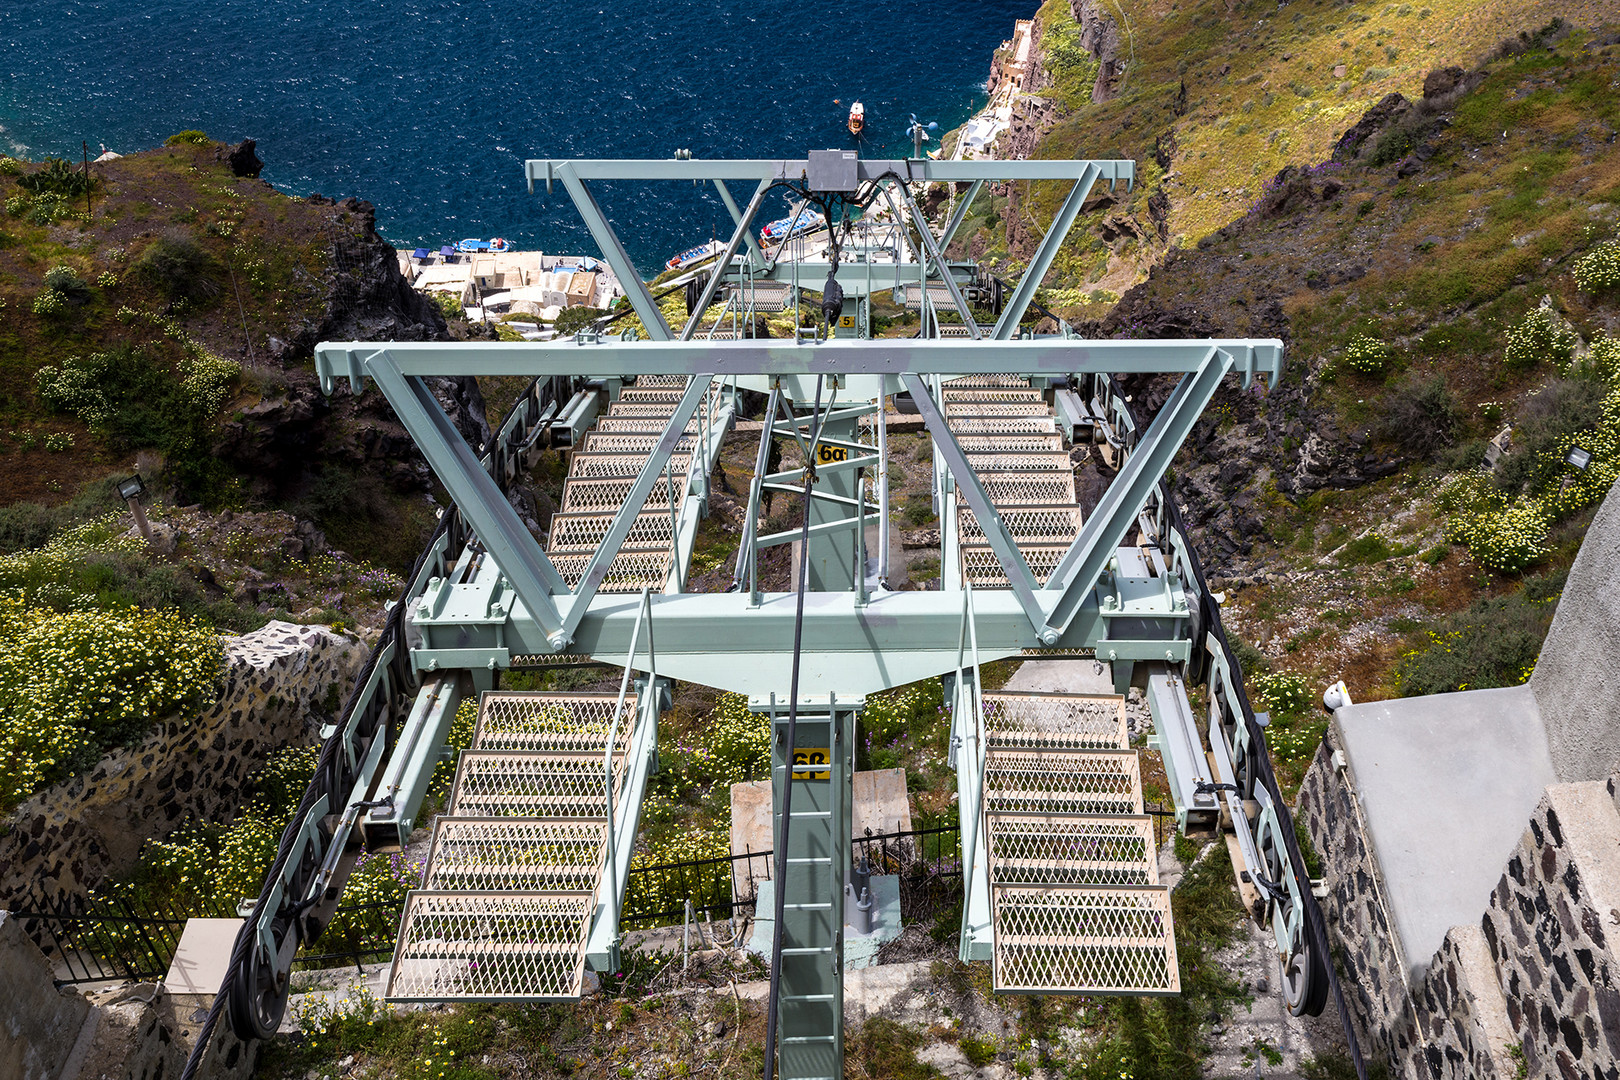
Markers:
{"x": 806, "y": 950}
{"x": 806, "y": 907}
{"x": 786, "y": 1040}
{"x": 808, "y": 997}
{"x": 812, "y": 859}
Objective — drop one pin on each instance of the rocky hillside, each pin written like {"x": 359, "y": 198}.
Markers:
{"x": 170, "y": 310}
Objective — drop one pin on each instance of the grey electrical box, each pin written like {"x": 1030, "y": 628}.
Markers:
{"x": 833, "y": 170}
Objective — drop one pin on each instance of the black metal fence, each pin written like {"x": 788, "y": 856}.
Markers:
{"x": 121, "y": 936}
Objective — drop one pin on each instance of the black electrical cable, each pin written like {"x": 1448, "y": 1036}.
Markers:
{"x": 773, "y": 1007}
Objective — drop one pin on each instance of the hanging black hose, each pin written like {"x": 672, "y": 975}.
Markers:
{"x": 774, "y": 1007}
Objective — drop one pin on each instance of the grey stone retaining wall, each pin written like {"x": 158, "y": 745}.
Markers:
{"x": 64, "y": 840}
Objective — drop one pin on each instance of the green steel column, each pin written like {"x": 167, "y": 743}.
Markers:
{"x": 811, "y": 1025}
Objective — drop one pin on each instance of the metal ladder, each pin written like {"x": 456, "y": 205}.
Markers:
{"x": 810, "y": 1030}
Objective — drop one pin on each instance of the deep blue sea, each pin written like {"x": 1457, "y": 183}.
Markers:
{"x": 428, "y": 108}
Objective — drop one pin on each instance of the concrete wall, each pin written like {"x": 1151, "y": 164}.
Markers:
{"x": 39, "y": 1024}
{"x": 1577, "y": 679}
{"x": 64, "y": 840}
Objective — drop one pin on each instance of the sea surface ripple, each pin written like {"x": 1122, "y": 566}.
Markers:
{"x": 428, "y": 108}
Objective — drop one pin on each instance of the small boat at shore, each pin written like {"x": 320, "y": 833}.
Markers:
{"x": 694, "y": 255}
{"x": 473, "y": 245}
{"x": 857, "y": 118}
{"x": 792, "y": 225}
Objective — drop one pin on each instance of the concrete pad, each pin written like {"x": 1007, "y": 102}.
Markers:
{"x": 1063, "y": 677}
{"x": 860, "y": 950}
{"x": 881, "y": 806}
{"x": 1446, "y": 783}
{"x": 202, "y": 957}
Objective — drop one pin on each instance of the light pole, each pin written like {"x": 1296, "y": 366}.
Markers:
{"x": 131, "y": 491}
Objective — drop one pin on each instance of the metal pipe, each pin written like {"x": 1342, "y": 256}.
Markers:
{"x": 883, "y": 495}
{"x": 761, "y": 459}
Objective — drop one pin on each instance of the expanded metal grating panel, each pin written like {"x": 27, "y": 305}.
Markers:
{"x": 963, "y": 395}
{"x": 490, "y": 946}
{"x": 584, "y": 532}
{"x": 981, "y": 567}
{"x": 986, "y": 382}
{"x": 1003, "y": 461}
{"x": 516, "y": 854}
{"x": 639, "y": 425}
{"x": 607, "y": 493}
{"x": 652, "y": 395}
{"x": 598, "y": 442}
{"x": 1056, "y": 721}
{"x": 521, "y": 720}
{"x": 1027, "y": 489}
{"x": 1051, "y": 781}
{"x": 982, "y": 409}
{"x": 633, "y": 408}
{"x": 1014, "y": 444}
{"x": 629, "y": 571}
{"x": 503, "y": 783}
{"x": 590, "y": 466}
{"x": 1065, "y": 849}
{"x": 1084, "y": 940}
{"x": 645, "y": 382}
{"x": 1003, "y": 425}
{"x": 1025, "y": 524}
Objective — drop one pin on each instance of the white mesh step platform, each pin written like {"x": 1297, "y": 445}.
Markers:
{"x": 523, "y": 720}
{"x": 1078, "y": 940}
{"x": 961, "y": 395}
{"x": 986, "y": 382}
{"x": 596, "y": 495}
{"x": 1071, "y": 849}
{"x": 629, "y": 571}
{"x": 584, "y": 532}
{"x": 1037, "y": 524}
{"x": 981, "y": 567}
{"x": 1055, "y": 721}
{"x": 1004, "y": 425}
{"x": 516, "y": 854}
{"x": 1072, "y": 782}
{"x": 592, "y": 466}
{"x": 640, "y": 425}
{"x": 503, "y": 783}
{"x": 1005, "y": 489}
{"x": 611, "y": 442}
{"x": 1005, "y": 461}
{"x": 973, "y": 410}
{"x": 1014, "y": 444}
{"x": 490, "y": 946}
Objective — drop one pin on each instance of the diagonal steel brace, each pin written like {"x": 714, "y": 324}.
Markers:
{"x": 651, "y": 471}
{"x": 492, "y": 518}
{"x": 967, "y": 482}
{"x": 1077, "y": 573}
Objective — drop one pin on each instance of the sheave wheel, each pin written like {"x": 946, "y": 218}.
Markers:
{"x": 1305, "y": 980}
{"x": 258, "y": 998}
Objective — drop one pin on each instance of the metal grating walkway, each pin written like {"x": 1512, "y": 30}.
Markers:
{"x": 1076, "y": 904}
{"x": 601, "y": 473}
{"x": 1009, "y": 434}
{"x": 515, "y": 864}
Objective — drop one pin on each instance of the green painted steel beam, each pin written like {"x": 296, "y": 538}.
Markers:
{"x": 797, "y": 169}
{"x": 1007, "y": 326}
{"x": 889, "y": 358}
{"x": 492, "y": 518}
{"x": 613, "y": 251}
{"x": 1077, "y": 572}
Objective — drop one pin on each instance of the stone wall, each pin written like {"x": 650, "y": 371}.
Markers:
{"x": 1369, "y": 959}
{"x": 279, "y": 686}
{"x": 1551, "y": 929}
{"x": 1532, "y": 989}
